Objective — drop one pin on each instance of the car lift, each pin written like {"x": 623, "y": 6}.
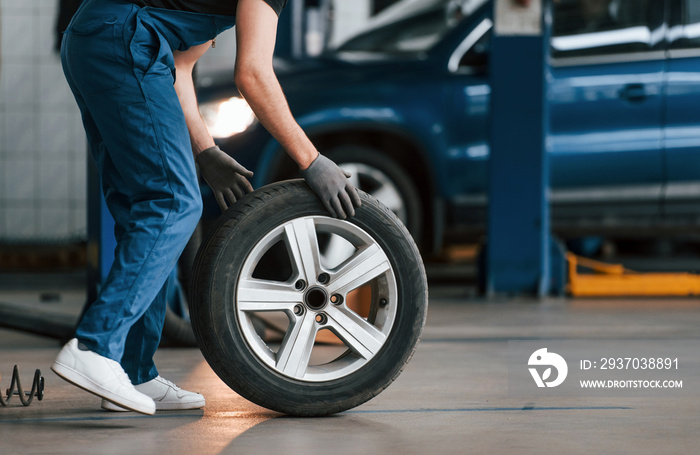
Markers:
{"x": 614, "y": 280}
{"x": 522, "y": 255}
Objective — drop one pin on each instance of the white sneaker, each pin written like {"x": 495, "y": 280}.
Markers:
{"x": 101, "y": 376}
{"x": 167, "y": 396}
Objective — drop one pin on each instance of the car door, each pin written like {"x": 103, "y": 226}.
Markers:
{"x": 682, "y": 115}
{"x": 606, "y": 98}
{"x": 467, "y": 101}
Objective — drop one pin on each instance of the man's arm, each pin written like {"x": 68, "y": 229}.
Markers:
{"x": 184, "y": 86}
{"x": 256, "y": 28}
{"x": 227, "y": 178}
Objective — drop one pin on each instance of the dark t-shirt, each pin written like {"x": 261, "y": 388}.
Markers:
{"x": 222, "y": 7}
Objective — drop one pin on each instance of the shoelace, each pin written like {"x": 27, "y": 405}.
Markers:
{"x": 119, "y": 371}
{"x": 162, "y": 379}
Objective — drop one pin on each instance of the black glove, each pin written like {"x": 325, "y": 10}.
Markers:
{"x": 331, "y": 184}
{"x": 227, "y": 178}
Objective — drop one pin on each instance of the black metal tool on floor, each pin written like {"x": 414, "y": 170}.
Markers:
{"x": 16, "y": 389}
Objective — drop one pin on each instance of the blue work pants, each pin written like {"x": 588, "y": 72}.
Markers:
{"x": 118, "y": 60}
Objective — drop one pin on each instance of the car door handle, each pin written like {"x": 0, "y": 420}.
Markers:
{"x": 634, "y": 93}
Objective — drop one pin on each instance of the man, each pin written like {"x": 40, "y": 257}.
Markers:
{"x": 129, "y": 64}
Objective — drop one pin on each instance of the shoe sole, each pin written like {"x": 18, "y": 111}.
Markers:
{"x": 110, "y": 406}
{"x": 79, "y": 380}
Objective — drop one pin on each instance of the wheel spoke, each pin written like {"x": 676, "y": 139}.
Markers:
{"x": 265, "y": 295}
{"x": 337, "y": 251}
{"x": 364, "y": 266}
{"x": 350, "y": 259}
{"x": 295, "y": 351}
{"x": 303, "y": 248}
{"x": 387, "y": 195}
{"x": 360, "y": 336}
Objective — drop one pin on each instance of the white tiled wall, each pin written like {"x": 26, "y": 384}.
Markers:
{"x": 42, "y": 144}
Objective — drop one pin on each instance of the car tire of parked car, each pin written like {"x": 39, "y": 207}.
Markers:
{"x": 304, "y": 375}
{"x": 186, "y": 262}
{"x": 379, "y": 172}
{"x": 177, "y": 331}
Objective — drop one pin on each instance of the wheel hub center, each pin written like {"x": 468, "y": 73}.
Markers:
{"x": 316, "y": 298}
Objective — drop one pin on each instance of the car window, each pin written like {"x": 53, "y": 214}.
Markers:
{"x": 604, "y": 27}
{"x": 408, "y": 36}
{"x": 686, "y": 31}
{"x": 477, "y": 57}
{"x": 412, "y": 35}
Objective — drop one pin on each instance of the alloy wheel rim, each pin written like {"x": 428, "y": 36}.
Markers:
{"x": 345, "y": 286}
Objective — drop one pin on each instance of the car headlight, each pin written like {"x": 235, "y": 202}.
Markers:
{"x": 228, "y": 117}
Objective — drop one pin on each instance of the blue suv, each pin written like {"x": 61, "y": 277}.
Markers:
{"x": 405, "y": 107}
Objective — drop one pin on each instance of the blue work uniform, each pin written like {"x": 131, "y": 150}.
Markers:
{"x": 118, "y": 59}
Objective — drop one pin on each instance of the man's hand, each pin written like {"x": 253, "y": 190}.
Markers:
{"x": 331, "y": 184}
{"x": 227, "y": 178}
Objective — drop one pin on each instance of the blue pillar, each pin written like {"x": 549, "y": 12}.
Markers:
{"x": 518, "y": 254}
{"x": 290, "y": 31}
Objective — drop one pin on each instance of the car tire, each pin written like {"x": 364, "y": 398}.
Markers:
{"x": 379, "y": 172}
{"x": 177, "y": 331}
{"x": 186, "y": 262}
{"x": 373, "y": 349}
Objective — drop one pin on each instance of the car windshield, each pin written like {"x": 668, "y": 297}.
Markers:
{"x": 413, "y": 31}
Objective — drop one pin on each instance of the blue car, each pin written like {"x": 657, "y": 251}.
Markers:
{"x": 405, "y": 108}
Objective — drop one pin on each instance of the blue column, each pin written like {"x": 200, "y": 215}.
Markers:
{"x": 290, "y": 31}
{"x": 518, "y": 255}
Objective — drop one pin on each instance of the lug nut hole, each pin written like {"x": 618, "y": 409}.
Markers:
{"x": 321, "y": 318}
{"x": 324, "y": 278}
{"x": 337, "y": 299}
{"x": 300, "y": 285}
{"x": 298, "y": 310}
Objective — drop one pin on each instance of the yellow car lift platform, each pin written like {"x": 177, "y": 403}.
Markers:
{"x": 615, "y": 280}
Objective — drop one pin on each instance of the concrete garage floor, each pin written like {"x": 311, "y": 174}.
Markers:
{"x": 451, "y": 399}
